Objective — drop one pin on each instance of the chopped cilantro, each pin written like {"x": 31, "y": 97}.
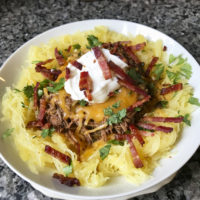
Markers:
{"x": 83, "y": 102}
{"x": 108, "y": 111}
{"x": 172, "y": 58}
{"x": 36, "y": 61}
{"x": 34, "y": 136}
{"x": 68, "y": 169}
{"x": 28, "y": 91}
{"x": 116, "y": 105}
{"x": 76, "y": 46}
{"x": 23, "y": 105}
{"x": 135, "y": 76}
{"x": 194, "y": 101}
{"x": 56, "y": 86}
{"x": 47, "y": 132}
{"x": 180, "y": 60}
{"x": 186, "y": 70}
{"x": 116, "y": 142}
{"x": 163, "y": 104}
{"x": 137, "y": 109}
{"x": 186, "y": 120}
{"x": 44, "y": 83}
{"x": 7, "y": 133}
{"x": 116, "y": 117}
{"x": 16, "y": 90}
{"x": 93, "y": 41}
{"x": 104, "y": 151}
{"x": 61, "y": 53}
{"x": 158, "y": 70}
{"x": 40, "y": 93}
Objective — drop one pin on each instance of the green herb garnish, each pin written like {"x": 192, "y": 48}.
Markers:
{"x": 16, "y": 90}
{"x": 137, "y": 109}
{"x": 23, "y": 105}
{"x": 44, "y": 83}
{"x": 116, "y": 117}
{"x": 83, "y": 102}
{"x": 163, "y": 104}
{"x": 116, "y": 142}
{"x": 56, "y": 86}
{"x": 194, "y": 101}
{"x": 40, "y": 93}
{"x": 116, "y": 105}
{"x": 186, "y": 70}
{"x": 28, "y": 91}
{"x": 7, "y": 133}
{"x": 104, "y": 151}
{"x": 108, "y": 111}
{"x": 135, "y": 76}
{"x": 186, "y": 120}
{"x": 36, "y": 61}
{"x": 158, "y": 70}
{"x": 68, "y": 169}
{"x": 76, "y": 46}
{"x": 93, "y": 41}
{"x": 172, "y": 58}
{"x": 47, "y": 132}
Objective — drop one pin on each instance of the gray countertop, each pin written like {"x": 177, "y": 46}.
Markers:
{"x": 21, "y": 20}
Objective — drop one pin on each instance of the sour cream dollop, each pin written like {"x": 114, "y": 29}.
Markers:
{"x": 101, "y": 87}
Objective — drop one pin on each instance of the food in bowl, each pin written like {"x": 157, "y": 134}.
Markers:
{"x": 98, "y": 104}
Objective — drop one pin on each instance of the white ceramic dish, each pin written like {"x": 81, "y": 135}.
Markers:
{"x": 117, "y": 188}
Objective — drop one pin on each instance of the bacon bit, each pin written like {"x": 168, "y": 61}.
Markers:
{"x": 102, "y": 62}
{"x": 136, "y": 133}
{"x": 119, "y": 72}
{"x": 77, "y": 64}
{"x": 34, "y": 124}
{"x": 155, "y": 128}
{"x": 57, "y": 154}
{"x": 44, "y": 62}
{"x": 131, "y": 54}
{"x": 136, "y": 159}
{"x": 66, "y": 180}
{"x": 46, "y": 126}
{"x": 138, "y": 47}
{"x": 164, "y": 48}
{"x": 163, "y": 119}
{"x": 166, "y": 84}
{"x": 59, "y": 58}
{"x": 111, "y": 94}
{"x": 138, "y": 103}
{"x": 85, "y": 83}
{"x": 67, "y": 73}
{"x": 173, "y": 88}
{"x": 35, "y": 95}
{"x": 152, "y": 63}
{"x": 42, "y": 109}
{"x": 69, "y": 48}
{"x": 51, "y": 74}
{"x": 132, "y": 87}
{"x": 146, "y": 133}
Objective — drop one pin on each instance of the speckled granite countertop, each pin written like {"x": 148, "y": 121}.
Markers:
{"x": 21, "y": 20}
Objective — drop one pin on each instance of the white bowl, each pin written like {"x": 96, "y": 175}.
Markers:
{"x": 117, "y": 188}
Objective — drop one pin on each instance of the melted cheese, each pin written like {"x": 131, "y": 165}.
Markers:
{"x": 96, "y": 111}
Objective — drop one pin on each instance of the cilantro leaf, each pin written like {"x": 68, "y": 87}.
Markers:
{"x": 83, "y": 102}
{"x": 194, "y": 101}
{"x": 104, "y": 151}
{"x": 116, "y": 142}
{"x": 137, "y": 109}
{"x": 163, "y": 104}
{"x": 23, "y": 105}
{"x": 76, "y": 46}
{"x": 172, "y": 58}
{"x": 36, "y": 61}
{"x": 93, "y": 41}
{"x": 68, "y": 169}
{"x": 28, "y": 91}
{"x": 56, "y": 86}
{"x": 186, "y": 120}
{"x": 181, "y": 60}
{"x": 116, "y": 105}
{"x": 116, "y": 117}
{"x": 135, "y": 76}
{"x": 108, "y": 111}
{"x": 7, "y": 133}
{"x": 186, "y": 70}
{"x": 47, "y": 132}
{"x": 44, "y": 83}
{"x": 16, "y": 90}
{"x": 122, "y": 114}
{"x": 158, "y": 70}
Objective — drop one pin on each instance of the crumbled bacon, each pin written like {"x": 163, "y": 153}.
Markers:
{"x": 69, "y": 48}
{"x": 57, "y": 154}
{"x": 34, "y": 124}
{"x": 42, "y": 109}
{"x": 155, "y": 128}
{"x": 51, "y": 74}
{"x": 136, "y": 159}
{"x": 67, "y": 73}
{"x": 132, "y": 87}
{"x": 138, "y": 47}
{"x": 66, "y": 180}
{"x": 119, "y": 72}
{"x": 44, "y": 62}
{"x": 85, "y": 83}
{"x": 173, "y": 88}
{"x": 138, "y": 103}
{"x": 35, "y": 95}
{"x": 131, "y": 54}
{"x": 76, "y": 64}
{"x": 151, "y": 64}
{"x": 136, "y": 133}
{"x": 163, "y": 119}
{"x": 59, "y": 58}
{"x": 164, "y": 48}
{"x": 102, "y": 62}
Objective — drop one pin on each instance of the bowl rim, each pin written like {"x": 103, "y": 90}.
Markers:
{"x": 77, "y": 196}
